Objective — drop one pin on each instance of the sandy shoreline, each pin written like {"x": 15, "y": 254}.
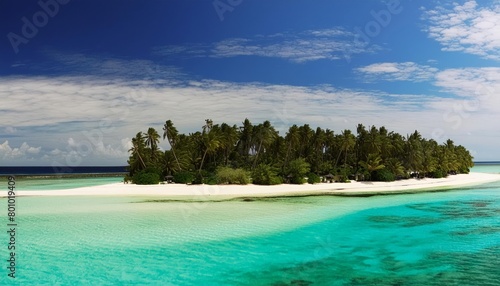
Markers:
{"x": 206, "y": 192}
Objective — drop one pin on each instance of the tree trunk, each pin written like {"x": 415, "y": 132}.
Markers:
{"x": 175, "y": 156}
{"x": 288, "y": 153}
{"x": 337, "y": 161}
{"x": 202, "y": 160}
{"x": 257, "y": 155}
{"x": 345, "y": 160}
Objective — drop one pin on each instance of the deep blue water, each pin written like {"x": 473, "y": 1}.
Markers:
{"x": 57, "y": 170}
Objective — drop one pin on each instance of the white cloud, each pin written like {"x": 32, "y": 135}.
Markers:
{"x": 470, "y": 82}
{"x": 182, "y": 52}
{"x": 55, "y": 152}
{"x": 85, "y": 151}
{"x": 23, "y": 152}
{"x": 468, "y": 28}
{"x": 407, "y": 71}
{"x": 311, "y": 45}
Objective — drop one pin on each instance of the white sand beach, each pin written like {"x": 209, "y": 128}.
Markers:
{"x": 209, "y": 192}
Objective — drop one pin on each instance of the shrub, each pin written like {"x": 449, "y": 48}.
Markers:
{"x": 184, "y": 177}
{"x": 383, "y": 175}
{"x": 147, "y": 177}
{"x": 210, "y": 180}
{"x": 298, "y": 169}
{"x": 127, "y": 179}
{"x": 265, "y": 175}
{"x": 204, "y": 178}
{"x": 227, "y": 175}
{"x": 342, "y": 175}
{"x": 297, "y": 180}
{"x": 313, "y": 178}
{"x": 342, "y": 179}
{"x": 438, "y": 174}
{"x": 198, "y": 179}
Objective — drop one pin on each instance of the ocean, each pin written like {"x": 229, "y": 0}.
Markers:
{"x": 440, "y": 238}
{"x": 60, "y": 178}
{"x": 60, "y": 170}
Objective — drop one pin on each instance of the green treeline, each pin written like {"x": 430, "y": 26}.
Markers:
{"x": 225, "y": 154}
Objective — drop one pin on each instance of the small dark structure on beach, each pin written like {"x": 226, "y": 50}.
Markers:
{"x": 329, "y": 178}
{"x": 169, "y": 179}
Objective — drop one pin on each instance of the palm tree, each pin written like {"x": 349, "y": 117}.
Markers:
{"x": 429, "y": 161}
{"x": 385, "y": 143}
{"x": 397, "y": 146}
{"x": 265, "y": 135}
{"x": 348, "y": 141}
{"x": 168, "y": 162}
{"x": 306, "y": 134}
{"x": 229, "y": 139}
{"x": 245, "y": 141}
{"x": 329, "y": 144}
{"x": 395, "y": 167}
{"x": 293, "y": 139}
{"x": 464, "y": 159}
{"x": 319, "y": 145}
{"x": 451, "y": 156}
{"x": 361, "y": 150}
{"x": 152, "y": 140}
{"x": 138, "y": 147}
{"x": 372, "y": 163}
{"x": 414, "y": 153}
{"x": 171, "y": 133}
{"x": 208, "y": 125}
{"x": 210, "y": 141}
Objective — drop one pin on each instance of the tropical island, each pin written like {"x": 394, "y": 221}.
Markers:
{"x": 221, "y": 154}
{"x": 224, "y": 161}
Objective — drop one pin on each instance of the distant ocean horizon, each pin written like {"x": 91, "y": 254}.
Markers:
{"x": 487, "y": 163}
{"x": 60, "y": 170}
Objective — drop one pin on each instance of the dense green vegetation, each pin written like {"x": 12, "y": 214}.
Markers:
{"x": 225, "y": 154}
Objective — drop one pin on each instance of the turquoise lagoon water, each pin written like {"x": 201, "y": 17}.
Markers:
{"x": 53, "y": 183}
{"x": 442, "y": 238}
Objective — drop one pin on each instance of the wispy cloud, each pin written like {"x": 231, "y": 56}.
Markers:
{"x": 191, "y": 50}
{"x": 468, "y": 28}
{"x": 470, "y": 82}
{"x": 407, "y": 71}
{"x": 104, "y": 68}
{"x": 311, "y": 45}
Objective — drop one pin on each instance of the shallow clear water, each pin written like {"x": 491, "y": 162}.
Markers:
{"x": 486, "y": 168}
{"x": 443, "y": 238}
{"x": 54, "y": 183}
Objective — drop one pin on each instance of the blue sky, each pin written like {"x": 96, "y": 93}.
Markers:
{"x": 78, "y": 79}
